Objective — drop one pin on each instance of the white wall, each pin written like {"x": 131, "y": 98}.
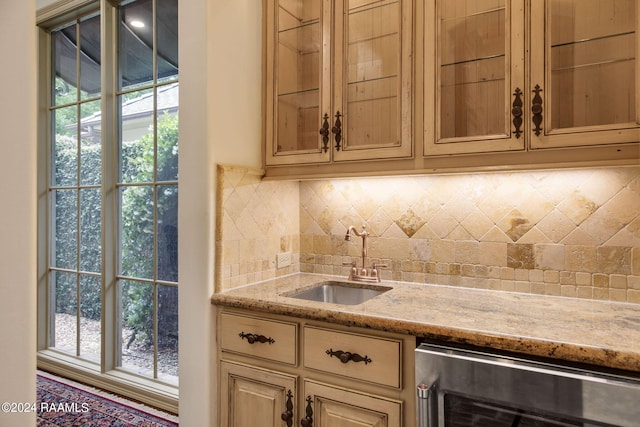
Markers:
{"x": 18, "y": 214}
{"x": 220, "y": 122}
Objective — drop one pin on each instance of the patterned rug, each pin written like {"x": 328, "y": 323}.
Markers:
{"x": 61, "y": 404}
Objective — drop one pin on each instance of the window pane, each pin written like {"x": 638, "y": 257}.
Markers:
{"x": 167, "y": 36}
{"x": 167, "y": 216}
{"x": 64, "y": 65}
{"x": 373, "y": 81}
{"x": 65, "y": 147}
{"x": 168, "y": 133}
{"x": 65, "y": 206}
{"x": 135, "y": 54}
{"x": 90, "y": 311}
{"x": 299, "y": 59}
{"x": 90, "y": 57}
{"x": 64, "y": 331}
{"x": 90, "y": 148}
{"x": 592, "y": 56}
{"x": 168, "y": 333}
{"x": 136, "y": 241}
{"x": 136, "y": 326}
{"x": 137, "y": 147}
{"x": 472, "y": 54}
{"x": 90, "y": 230}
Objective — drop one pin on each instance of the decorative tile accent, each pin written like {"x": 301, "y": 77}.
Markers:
{"x": 409, "y": 222}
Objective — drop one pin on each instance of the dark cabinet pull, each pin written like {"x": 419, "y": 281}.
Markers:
{"x": 536, "y": 109}
{"x": 516, "y": 111}
{"x": 308, "y": 420}
{"x": 287, "y": 415}
{"x": 346, "y": 356}
{"x": 254, "y": 338}
{"x": 324, "y": 131}
{"x": 337, "y": 130}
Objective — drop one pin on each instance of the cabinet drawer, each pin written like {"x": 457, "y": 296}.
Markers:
{"x": 258, "y": 337}
{"x": 373, "y": 359}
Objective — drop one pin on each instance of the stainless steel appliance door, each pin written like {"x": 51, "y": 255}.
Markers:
{"x": 470, "y": 388}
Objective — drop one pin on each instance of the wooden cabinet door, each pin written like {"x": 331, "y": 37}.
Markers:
{"x": 329, "y": 406}
{"x": 584, "y": 69}
{"x": 474, "y": 76}
{"x": 372, "y": 79}
{"x": 338, "y": 80}
{"x": 298, "y": 81}
{"x": 251, "y": 396}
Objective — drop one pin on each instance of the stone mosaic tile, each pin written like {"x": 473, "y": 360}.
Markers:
{"x": 255, "y": 221}
{"x": 553, "y": 222}
{"x": 571, "y": 232}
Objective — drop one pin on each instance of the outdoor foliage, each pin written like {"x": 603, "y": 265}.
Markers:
{"x": 82, "y": 210}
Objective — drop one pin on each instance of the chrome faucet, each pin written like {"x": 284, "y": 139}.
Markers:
{"x": 363, "y": 275}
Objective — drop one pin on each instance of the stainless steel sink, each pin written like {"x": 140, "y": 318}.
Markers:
{"x": 340, "y": 292}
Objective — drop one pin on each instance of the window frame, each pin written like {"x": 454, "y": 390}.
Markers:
{"x": 106, "y": 374}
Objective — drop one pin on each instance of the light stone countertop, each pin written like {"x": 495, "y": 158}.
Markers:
{"x": 595, "y": 332}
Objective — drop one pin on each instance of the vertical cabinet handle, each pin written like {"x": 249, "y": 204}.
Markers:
{"x": 324, "y": 131}
{"x": 516, "y": 111}
{"x": 337, "y": 130}
{"x": 287, "y": 415}
{"x": 425, "y": 418}
{"x": 307, "y": 421}
{"x": 536, "y": 109}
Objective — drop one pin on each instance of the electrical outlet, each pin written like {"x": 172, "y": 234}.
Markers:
{"x": 283, "y": 259}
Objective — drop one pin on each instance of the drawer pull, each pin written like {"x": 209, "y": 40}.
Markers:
{"x": 287, "y": 415}
{"x": 346, "y": 356}
{"x": 254, "y": 338}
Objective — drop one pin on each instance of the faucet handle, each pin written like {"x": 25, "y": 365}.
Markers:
{"x": 351, "y": 263}
{"x": 378, "y": 265}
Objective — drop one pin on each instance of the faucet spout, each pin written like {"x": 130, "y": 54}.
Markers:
{"x": 364, "y": 275}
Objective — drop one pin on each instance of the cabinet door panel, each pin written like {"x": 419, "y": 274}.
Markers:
{"x": 372, "y": 78}
{"x": 295, "y": 55}
{"x": 339, "y": 407}
{"x": 474, "y": 60}
{"x": 252, "y": 396}
{"x": 584, "y": 58}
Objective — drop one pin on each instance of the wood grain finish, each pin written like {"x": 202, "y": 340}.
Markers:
{"x": 279, "y": 344}
{"x": 385, "y": 356}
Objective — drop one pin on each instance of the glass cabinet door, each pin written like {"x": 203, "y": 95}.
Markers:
{"x": 372, "y": 83}
{"x": 295, "y": 84}
{"x": 584, "y": 72}
{"x": 474, "y": 79}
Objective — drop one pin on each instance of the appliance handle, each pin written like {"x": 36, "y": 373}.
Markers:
{"x": 425, "y": 401}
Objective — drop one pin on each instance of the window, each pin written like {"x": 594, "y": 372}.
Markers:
{"x": 110, "y": 227}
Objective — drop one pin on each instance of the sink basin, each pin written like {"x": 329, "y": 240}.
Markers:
{"x": 340, "y": 292}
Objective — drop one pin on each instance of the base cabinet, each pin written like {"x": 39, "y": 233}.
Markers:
{"x": 251, "y": 396}
{"x": 329, "y": 406}
{"x": 282, "y": 371}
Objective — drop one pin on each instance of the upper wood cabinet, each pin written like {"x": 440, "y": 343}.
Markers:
{"x": 581, "y": 74}
{"x": 338, "y": 80}
{"x": 584, "y": 67}
{"x": 473, "y": 62}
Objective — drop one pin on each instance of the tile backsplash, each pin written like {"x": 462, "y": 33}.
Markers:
{"x": 570, "y": 232}
{"x": 255, "y": 220}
